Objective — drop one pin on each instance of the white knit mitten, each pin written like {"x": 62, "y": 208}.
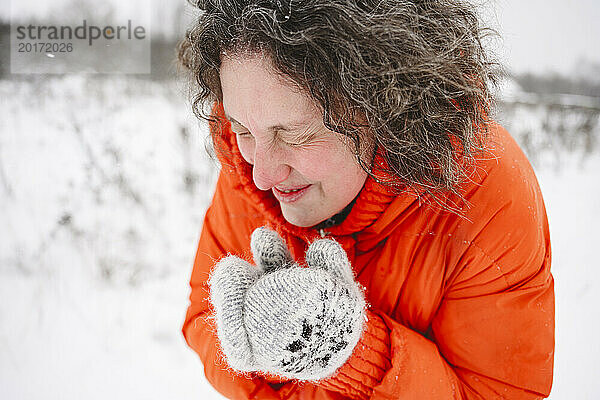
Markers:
{"x": 283, "y": 319}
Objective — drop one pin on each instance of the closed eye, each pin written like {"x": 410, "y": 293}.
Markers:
{"x": 297, "y": 144}
{"x": 239, "y": 129}
{"x": 241, "y": 132}
{"x": 297, "y": 140}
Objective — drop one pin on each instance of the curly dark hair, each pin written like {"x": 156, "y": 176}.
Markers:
{"x": 410, "y": 77}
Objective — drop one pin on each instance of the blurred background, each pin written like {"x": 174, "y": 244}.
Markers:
{"x": 104, "y": 181}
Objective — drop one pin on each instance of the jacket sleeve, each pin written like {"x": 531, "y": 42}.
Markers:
{"x": 198, "y": 328}
{"x": 491, "y": 338}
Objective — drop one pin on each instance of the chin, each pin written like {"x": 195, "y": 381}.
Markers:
{"x": 301, "y": 220}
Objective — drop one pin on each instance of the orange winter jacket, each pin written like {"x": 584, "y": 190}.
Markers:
{"x": 460, "y": 306}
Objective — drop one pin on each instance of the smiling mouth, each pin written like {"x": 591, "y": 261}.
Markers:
{"x": 291, "y": 190}
{"x": 290, "y": 195}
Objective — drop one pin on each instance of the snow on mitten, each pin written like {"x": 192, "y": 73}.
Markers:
{"x": 282, "y": 319}
{"x": 303, "y": 323}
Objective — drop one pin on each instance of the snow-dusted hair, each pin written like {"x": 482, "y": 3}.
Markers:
{"x": 410, "y": 77}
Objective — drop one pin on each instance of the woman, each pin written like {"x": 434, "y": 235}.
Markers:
{"x": 405, "y": 249}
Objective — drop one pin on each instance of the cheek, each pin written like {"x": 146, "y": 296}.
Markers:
{"x": 331, "y": 165}
{"x": 246, "y": 147}
{"x": 312, "y": 165}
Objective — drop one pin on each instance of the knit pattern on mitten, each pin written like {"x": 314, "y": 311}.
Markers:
{"x": 299, "y": 323}
{"x": 229, "y": 282}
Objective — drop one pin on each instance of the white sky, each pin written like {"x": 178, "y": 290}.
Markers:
{"x": 548, "y": 35}
{"x": 538, "y": 35}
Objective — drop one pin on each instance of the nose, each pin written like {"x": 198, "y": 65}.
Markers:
{"x": 269, "y": 168}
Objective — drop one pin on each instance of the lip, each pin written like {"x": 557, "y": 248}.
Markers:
{"x": 290, "y": 197}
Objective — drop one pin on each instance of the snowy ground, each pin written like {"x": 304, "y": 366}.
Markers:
{"x": 103, "y": 185}
{"x": 573, "y": 206}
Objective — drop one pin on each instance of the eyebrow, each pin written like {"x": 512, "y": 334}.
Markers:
{"x": 288, "y": 128}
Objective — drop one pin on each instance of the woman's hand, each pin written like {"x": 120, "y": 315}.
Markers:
{"x": 283, "y": 319}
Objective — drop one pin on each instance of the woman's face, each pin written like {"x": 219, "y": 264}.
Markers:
{"x": 310, "y": 169}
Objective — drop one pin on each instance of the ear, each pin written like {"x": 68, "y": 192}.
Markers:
{"x": 330, "y": 256}
{"x": 269, "y": 250}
